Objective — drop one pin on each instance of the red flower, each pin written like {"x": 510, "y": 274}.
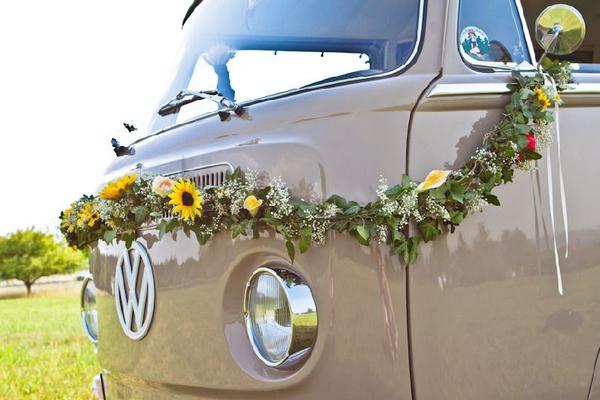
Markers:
{"x": 530, "y": 145}
{"x": 531, "y": 138}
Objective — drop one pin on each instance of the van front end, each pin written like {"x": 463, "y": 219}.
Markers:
{"x": 316, "y": 96}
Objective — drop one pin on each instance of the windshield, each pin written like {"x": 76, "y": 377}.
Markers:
{"x": 248, "y": 49}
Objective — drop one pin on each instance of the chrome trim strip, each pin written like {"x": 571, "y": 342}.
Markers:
{"x": 465, "y": 89}
{"x": 202, "y": 167}
{"x": 585, "y": 88}
{"x": 530, "y": 46}
{"x": 398, "y": 70}
{"x": 468, "y": 89}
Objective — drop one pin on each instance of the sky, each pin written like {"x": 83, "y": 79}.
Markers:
{"x": 71, "y": 72}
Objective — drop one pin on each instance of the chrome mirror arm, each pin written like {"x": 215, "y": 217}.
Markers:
{"x": 556, "y": 31}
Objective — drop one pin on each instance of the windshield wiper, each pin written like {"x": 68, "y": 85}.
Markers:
{"x": 186, "y": 97}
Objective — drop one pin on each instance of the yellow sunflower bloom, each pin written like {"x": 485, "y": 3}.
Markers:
{"x": 66, "y": 224}
{"x": 116, "y": 189}
{"x": 87, "y": 216}
{"x": 435, "y": 179}
{"x": 252, "y": 204}
{"x": 186, "y": 200}
{"x": 542, "y": 98}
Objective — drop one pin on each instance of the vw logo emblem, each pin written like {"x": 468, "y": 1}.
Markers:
{"x": 134, "y": 291}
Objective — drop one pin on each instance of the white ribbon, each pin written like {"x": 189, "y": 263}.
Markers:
{"x": 563, "y": 200}
{"x": 552, "y": 224}
{"x": 561, "y": 181}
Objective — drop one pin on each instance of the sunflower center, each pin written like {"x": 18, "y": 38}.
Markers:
{"x": 187, "y": 199}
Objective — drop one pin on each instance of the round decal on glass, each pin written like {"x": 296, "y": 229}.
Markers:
{"x": 475, "y": 42}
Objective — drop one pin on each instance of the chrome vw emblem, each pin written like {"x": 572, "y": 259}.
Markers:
{"x": 134, "y": 291}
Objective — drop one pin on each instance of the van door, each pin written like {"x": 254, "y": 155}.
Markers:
{"x": 487, "y": 321}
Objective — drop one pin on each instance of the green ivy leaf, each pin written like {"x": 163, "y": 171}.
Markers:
{"x": 301, "y": 204}
{"x": 529, "y": 154}
{"x": 457, "y": 191}
{"x": 338, "y": 201}
{"x": 411, "y": 251}
{"x": 456, "y": 217}
{"x": 363, "y": 232}
{"x": 236, "y": 230}
{"x": 353, "y": 210}
{"x": 439, "y": 193}
{"x": 492, "y": 199}
{"x": 394, "y": 191}
{"x": 304, "y": 244}
{"x": 162, "y": 228}
{"x": 522, "y": 141}
{"x": 523, "y": 128}
{"x": 291, "y": 250}
{"x": 429, "y": 230}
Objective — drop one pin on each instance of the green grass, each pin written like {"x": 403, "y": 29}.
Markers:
{"x": 43, "y": 351}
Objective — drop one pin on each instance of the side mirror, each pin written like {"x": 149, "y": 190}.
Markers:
{"x": 560, "y": 29}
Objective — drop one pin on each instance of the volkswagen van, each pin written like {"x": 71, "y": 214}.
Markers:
{"x": 330, "y": 95}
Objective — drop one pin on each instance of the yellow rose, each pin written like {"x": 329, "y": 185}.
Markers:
{"x": 252, "y": 204}
{"x": 434, "y": 180}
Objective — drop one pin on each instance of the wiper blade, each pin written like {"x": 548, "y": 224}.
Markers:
{"x": 186, "y": 97}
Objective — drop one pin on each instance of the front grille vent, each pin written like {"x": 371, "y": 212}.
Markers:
{"x": 204, "y": 177}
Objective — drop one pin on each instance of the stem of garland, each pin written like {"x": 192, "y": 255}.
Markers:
{"x": 248, "y": 204}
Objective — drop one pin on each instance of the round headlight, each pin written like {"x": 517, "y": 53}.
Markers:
{"x": 281, "y": 317}
{"x": 89, "y": 315}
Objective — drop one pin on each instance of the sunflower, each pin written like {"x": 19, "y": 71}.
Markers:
{"x": 88, "y": 216}
{"x": 66, "y": 224}
{"x": 186, "y": 200}
{"x": 116, "y": 189}
{"x": 542, "y": 98}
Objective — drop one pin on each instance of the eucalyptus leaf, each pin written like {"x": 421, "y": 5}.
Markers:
{"x": 109, "y": 236}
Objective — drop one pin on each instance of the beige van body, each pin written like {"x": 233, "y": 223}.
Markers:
{"x": 477, "y": 317}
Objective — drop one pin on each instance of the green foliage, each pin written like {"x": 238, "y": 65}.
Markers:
{"x": 43, "y": 351}
{"x": 401, "y": 210}
{"x": 28, "y": 255}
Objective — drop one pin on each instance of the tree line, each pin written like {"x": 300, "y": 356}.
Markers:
{"x": 29, "y": 254}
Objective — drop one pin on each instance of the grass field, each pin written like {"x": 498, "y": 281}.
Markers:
{"x": 43, "y": 352}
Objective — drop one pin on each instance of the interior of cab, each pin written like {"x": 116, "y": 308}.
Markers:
{"x": 588, "y": 55}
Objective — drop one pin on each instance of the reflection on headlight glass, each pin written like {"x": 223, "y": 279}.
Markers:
{"x": 270, "y": 318}
{"x": 90, "y": 314}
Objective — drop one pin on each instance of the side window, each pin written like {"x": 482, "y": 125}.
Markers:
{"x": 587, "y": 57}
{"x": 491, "y": 32}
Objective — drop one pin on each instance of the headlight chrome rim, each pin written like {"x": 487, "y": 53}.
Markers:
{"x": 86, "y": 328}
{"x": 300, "y": 302}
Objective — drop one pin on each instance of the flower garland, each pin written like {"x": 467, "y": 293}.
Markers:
{"x": 246, "y": 206}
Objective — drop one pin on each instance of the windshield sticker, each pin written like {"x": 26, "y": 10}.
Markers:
{"x": 475, "y": 42}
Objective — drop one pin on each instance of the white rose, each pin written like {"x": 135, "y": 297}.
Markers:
{"x": 162, "y": 186}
